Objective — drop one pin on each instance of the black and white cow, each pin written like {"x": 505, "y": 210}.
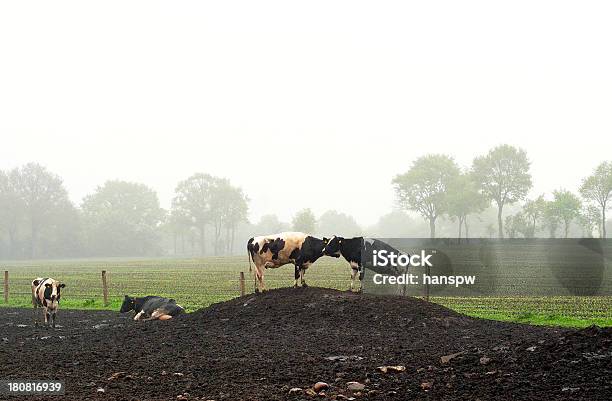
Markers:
{"x": 46, "y": 295}
{"x": 275, "y": 250}
{"x": 350, "y": 250}
{"x": 359, "y": 253}
{"x": 151, "y": 307}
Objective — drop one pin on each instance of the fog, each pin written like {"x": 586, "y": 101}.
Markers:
{"x": 302, "y": 105}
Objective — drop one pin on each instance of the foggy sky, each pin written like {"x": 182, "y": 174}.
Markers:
{"x": 302, "y": 104}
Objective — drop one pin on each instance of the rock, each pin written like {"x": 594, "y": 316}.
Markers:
{"x": 484, "y": 360}
{"x": 182, "y": 397}
{"x": 179, "y": 374}
{"x": 355, "y": 386}
{"x": 310, "y": 392}
{"x": 532, "y": 348}
{"x": 397, "y": 368}
{"x": 421, "y": 370}
{"x": 116, "y": 375}
{"x": 320, "y": 386}
{"x": 295, "y": 390}
{"x": 570, "y": 389}
{"x": 427, "y": 385}
{"x": 100, "y": 390}
{"x": 447, "y": 358}
{"x": 164, "y": 373}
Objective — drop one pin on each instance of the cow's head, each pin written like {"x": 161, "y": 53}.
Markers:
{"x": 127, "y": 305}
{"x": 53, "y": 291}
{"x": 332, "y": 246}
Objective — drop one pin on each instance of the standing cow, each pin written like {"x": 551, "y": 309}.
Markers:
{"x": 46, "y": 294}
{"x": 275, "y": 250}
{"x": 350, "y": 250}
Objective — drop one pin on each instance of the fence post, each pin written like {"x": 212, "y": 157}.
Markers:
{"x": 104, "y": 288}
{"x": 242, "y": 288}
{"x": 6, "y": 287}
{"x": 427, "y": 284}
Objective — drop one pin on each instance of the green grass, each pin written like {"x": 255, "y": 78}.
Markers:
{"x": 197, "y": 283}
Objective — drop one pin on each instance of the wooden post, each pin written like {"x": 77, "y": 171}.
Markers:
{"x": 242, "y": 288}
{"x": 6, "y": 287}
{"x": 104, "y": 288}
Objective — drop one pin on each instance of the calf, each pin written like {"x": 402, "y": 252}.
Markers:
{"x": 272, "y": 251}
{"x": 46, "y": 295}
{"x": 151, "y": 307}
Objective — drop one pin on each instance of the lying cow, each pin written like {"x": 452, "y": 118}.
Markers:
{"x": 46, "y": 295}
{"x": 151, "y": 307}
{"x": 272, "y": 251}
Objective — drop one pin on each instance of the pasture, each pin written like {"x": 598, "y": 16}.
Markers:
{"x": 198, "y": 283}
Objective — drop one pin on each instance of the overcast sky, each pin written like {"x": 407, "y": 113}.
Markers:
{"x": 302, "y": 103}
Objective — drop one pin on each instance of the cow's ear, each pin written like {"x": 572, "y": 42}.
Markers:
{"x": 35, "y": 282}
{"x": 127, "y": 297}
{"x": 62, "y": 285}
{"x": 325, "y": 240}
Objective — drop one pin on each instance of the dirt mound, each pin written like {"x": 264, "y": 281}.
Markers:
{"x": 277, "y": 345}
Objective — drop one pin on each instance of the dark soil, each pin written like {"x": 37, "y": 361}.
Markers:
{"x": 261, "y": 347}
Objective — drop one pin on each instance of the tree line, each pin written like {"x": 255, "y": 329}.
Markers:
{"x": 436, "y": 186}
{"x": 38, "y": 220}
{"x": 208, "y": 215}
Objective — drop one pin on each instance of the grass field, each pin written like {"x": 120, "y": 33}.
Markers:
{"x": 197, "y": 283}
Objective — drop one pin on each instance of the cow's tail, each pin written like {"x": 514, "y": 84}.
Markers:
{"x": 250, "y": 252}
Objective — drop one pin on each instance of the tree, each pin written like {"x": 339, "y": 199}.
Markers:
{"x": 464, "y": 199}
{"x": 517, "y": 225}
{"x": 597, "y": 188}
{"x": 551, "y": 219}
{"x": 567, "y": 206}
{"x": 590, "y": 220}
{"x": 335, "y": 223}
{"x": 503, "y": 176}
{"x": 424, "y": 188}
{"x": 304, "y": 221}
{"x": 533, "y": 211}
{"x": 42, "y": 195}
{"x": 122, "y": 219}
{"x": 11, "y": 208}
{"x": 193, "y": 200}
{"x": 397, "y": 224}
{"x": 234, "y": 208}
{"x": 270, "y": 223}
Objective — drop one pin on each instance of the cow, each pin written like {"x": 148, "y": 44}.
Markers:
{"x": 151, "y": 307}
{"x": 275, "y": 250}
{"x": 46, "y": 295}
{"x": 350, "y": 250}
{"x": 358, "y": 252}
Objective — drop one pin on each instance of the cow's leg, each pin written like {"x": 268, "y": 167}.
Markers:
{"x": 53, "y": 315}
{"x": 139, "y": 315}
{"x": 302, "y": 272}
{"x": 296, "y": 275}
{"x": 34, "y": 308}
{"x": 353, "y": 275}
{"x": 47, "y": 316}
{"x": 262, "y": 284}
